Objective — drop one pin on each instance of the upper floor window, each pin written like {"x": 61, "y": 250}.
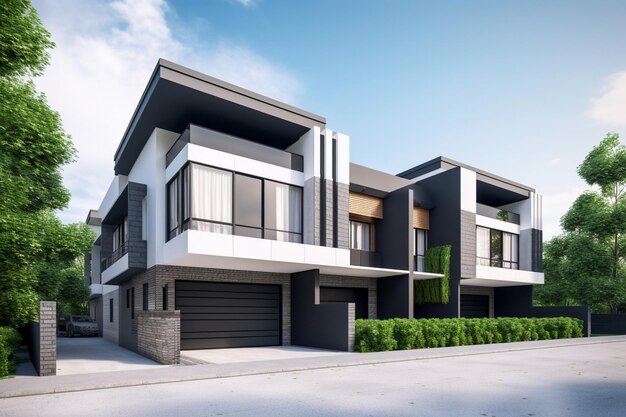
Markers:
{"x": 214, "y": 200}
{"x": 120, "y": 235}
{"x": 497, "y": 248}
{"x": 360, "y": 235}
{"x": 419, "y": 248}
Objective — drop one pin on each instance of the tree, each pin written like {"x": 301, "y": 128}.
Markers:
{"x": 33, "y": 148}
{"x": 586, "y": 264}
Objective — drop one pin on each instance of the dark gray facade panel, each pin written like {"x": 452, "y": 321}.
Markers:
{"x": 468, "y": 244}
{"x": 326, "y": 326}
{"x": 536, "y": 255}
{"x": 394, "y": 232}
{"x": 137, "y": 247}
{"x": 358, "y": 296}
{"x": 395, "y": 297}
{"x": 445, "y": 229}
{"x": 329, "y": 218}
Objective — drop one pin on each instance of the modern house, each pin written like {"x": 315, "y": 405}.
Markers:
{"x": 237, "y": 220}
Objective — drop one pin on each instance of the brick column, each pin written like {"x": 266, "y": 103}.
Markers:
{"x": 47, "y": 338}
{"x": 158, "y": 335}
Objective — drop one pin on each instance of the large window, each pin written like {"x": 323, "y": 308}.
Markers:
{"x": 120, "y": 236}
{"x": 283, "y": 212}
{"x": 214, "y": 200}
{"x": 360, "y": 235}
{"x": 419, "y": 248}
{"x": 497, "y": 248}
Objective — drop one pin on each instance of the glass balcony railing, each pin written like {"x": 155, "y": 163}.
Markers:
{"x": 498, "y": 214}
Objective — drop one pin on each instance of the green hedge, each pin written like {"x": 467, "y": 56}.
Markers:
{"x": 10, "y": 341}
{"x": 400, "y": 334}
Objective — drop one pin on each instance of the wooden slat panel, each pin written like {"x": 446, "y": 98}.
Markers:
{"x": 366, "y": 205}
{"x": 421, "y": 218}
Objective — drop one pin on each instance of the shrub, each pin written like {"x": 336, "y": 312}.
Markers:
{"x": 10, "y": 341}
{"x": 400, "y": 334}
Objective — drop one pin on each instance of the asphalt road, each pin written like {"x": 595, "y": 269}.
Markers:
{"x": 586, "y": 380}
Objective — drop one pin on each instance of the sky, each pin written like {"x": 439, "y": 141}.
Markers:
{"x": 523, "y": 89}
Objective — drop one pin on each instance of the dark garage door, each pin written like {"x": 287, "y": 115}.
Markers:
{"x": 358, "y": 296}
{"x": 225, "y": 315}
{"x": 474, "y": 306}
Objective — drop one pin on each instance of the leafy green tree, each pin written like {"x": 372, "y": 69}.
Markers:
{"x": 586, "y": 265}
{"x": 33, "y": 148}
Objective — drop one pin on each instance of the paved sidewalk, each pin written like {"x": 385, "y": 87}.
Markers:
{"x": 71, "y": 383}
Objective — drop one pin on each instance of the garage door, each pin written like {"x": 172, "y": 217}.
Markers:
{"x": 224, "y": 315}
{"x": 474, "y": 306}
{"x": 358, "y": 296}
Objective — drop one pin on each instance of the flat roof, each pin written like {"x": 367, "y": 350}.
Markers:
{"x": 177, "y": 96}
{"x": 371, "y": 181}
{"x": 447, "y": 163}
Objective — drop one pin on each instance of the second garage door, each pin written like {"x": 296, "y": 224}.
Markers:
{"x": 474, "y": 306}
{"x": 224, "y": 315}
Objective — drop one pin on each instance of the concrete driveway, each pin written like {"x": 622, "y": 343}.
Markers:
{"x": 253, "y": 354}
{"x": 85, "y": 355}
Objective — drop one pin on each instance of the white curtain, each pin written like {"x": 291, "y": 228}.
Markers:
{"x": 288, "y": 208}
{"x": 173, "y": 205}
{"x": 359, "y": 236}
{"x": 483, "y": 245}
{"x": 506, "y": 249}
{"x": 211, "y": 194}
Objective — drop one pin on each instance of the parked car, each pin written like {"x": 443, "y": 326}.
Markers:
{"x": 82, "y": 325}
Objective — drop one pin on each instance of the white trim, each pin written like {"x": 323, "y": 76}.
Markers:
{"x": 120, "y": 266}
{"x": 497, "y": 224}
{"x": 504, "y": 275}
{"x": 468, "y": 190}
{"x": 428, "y": 174}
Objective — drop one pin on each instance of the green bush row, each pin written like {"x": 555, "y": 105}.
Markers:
{"x": 400, "y": 334}
{"x": 10, "y": 341}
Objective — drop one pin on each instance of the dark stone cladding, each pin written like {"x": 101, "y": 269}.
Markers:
{"x": 343, "y": 223}
{"x": 536, "y": 254}
{"x": 468, "y": 244}
{"x": 137, "y": 248}
{"x": 158, "y": 336}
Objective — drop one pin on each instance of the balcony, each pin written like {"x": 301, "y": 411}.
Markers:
{"x": 236, "y": 146}
{"x": 115, "y": 256}
{"x": 497, "y": 214}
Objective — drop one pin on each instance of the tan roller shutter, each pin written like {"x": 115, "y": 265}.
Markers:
{"x": 420, "y": 218}
{"x": 366, "y": 205}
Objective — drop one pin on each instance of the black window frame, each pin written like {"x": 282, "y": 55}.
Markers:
{"x": 132, "y": 303}
{"x": 188, "y": 223}
{"x": 417, "y": 257}
{"x": 111, "y": 310}
{"x": 127, "y": 297}
{"x": 165, "y": 296}
{"x": 496, "y": 257}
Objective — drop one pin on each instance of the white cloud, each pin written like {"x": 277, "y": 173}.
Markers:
{"x": 104, "y": 57}
{"x": 555, "y": 205}
{"x": 246, "y": 3}
{"x": 610, "y": 107}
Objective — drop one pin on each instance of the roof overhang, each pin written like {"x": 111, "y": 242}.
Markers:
{"x": 177, "y": 96}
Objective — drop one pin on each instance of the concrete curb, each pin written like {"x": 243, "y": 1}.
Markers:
{"x": 105, "y": 380}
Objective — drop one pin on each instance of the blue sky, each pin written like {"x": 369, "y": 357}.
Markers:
{"x": 523, "y": 89}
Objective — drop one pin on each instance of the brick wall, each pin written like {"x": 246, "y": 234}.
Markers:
{"x": 47, "y": 352}
{"x": 355, "y": 282}
{"x": 343, "y": 224}
{"x": 158, "y": 335}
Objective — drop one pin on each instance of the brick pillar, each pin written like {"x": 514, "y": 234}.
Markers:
{"x": 158, "y": 335}
{"x": 47, "y": 338}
